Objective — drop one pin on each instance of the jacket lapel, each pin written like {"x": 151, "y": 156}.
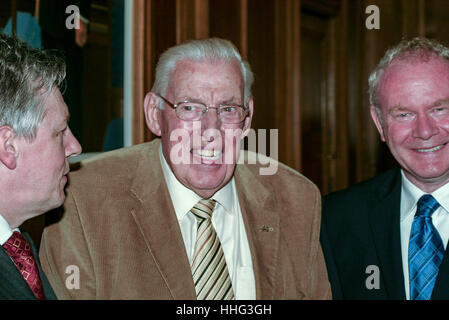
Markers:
{"x": 155, "y": 216}
{"x": 384, "y": 219}
{"x": 262, "y": 226}
{"x": 12, "y": 284}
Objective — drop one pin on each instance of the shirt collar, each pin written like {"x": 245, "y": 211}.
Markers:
{"x": 5, "y": 230}
{"x": 410, "y": 195}
{"x": 184, "y": 199}
{"x": 442, "y": 196}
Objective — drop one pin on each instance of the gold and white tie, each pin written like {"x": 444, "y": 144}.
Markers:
{"x": 209, "y": 269}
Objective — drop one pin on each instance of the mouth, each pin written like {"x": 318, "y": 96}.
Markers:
{"x": 207, "y": 156}
{"x": 426, "y": 150}
{"x": 64, "y": 174}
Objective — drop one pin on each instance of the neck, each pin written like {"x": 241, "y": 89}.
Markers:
{"x": 427, "y": 185}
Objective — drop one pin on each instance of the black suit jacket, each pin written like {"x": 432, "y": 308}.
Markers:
{"x": 361, "y": 228}
{"x": 12, "y": 285}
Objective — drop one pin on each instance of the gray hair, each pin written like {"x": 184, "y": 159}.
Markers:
{"x": 212, "y": 50}
{"x": 27, "y": 77}
{"x": 418, "y": 48}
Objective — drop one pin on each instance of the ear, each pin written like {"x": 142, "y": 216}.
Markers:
{"x": 152, "y": 110}
{"x": 248, "y": 119}
{"x": 8, "y": 147}
{"x": 377, "y": 122}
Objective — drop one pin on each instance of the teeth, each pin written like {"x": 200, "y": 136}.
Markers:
{"x": 431, "y": 149}
{"x": 211, "y": 154}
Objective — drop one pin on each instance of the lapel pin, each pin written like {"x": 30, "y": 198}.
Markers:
{"x": 267, "y": 228}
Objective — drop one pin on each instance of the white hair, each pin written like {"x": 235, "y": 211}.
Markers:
{"x": 213, "y": 50}
{"x": 27, "y": 77}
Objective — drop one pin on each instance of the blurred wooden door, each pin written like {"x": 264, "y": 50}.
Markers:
{"x": 98, "y": 106}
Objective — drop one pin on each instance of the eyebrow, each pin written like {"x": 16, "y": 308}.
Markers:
{"x": 435, "y": 104}
{"x": 189, "y": 99}
{"x": 398, "y": 108}
{"x": 440, "y": 102}
{"x": 195, "y": 100}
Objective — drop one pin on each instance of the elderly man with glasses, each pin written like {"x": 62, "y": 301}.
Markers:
{"x": 176, "y": 218}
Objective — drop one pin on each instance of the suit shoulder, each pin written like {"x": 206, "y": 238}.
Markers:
{"x": 352, "y": 204}
{"x": 117, "y": 165}
{"x": 272, "y": 172}
{"x": 364, "y": 189}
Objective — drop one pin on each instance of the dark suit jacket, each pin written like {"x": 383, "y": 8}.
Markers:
{"x": 12, "y": 284}
{"x": 361, "y": 228}
{"x": 120, "y": 228}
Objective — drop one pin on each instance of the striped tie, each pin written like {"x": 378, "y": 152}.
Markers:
{"x": 209, "y": 269}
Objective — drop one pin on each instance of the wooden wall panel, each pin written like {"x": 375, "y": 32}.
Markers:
{"x": 192, "y": 19}
{"x": 337, "y": 129}
{"x": 323, "y": 105}
{"x": 261, "y": 57}
{"x": 225, "y": 20}
{"x": 287, "y": 88}
{"x": 139, "y": 65}
{"x": 314, "y": 59}
{"x": 413, "y": 18}
{"x": 436, "y": 13}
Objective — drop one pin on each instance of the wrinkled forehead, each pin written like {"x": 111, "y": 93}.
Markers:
{"x": 414, "y": 81}
{"x": 415, "y": 65}
{"x": 219, "y": 72}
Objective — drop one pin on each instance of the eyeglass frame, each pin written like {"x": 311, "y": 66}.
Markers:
{"x": 175, "y": 106}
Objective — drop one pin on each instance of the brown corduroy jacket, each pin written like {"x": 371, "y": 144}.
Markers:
{"x": 119, "y": 229}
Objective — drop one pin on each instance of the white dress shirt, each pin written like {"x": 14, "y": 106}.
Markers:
{"x": 410, "y": 195}
{"x": 228, "y": 223}
{"x": 5, "y": 230}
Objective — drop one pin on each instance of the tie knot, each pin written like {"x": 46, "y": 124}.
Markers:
{"x": 16, "y": 244}
{"x": 426, "y": 206}
{"x": 203, "y": 209}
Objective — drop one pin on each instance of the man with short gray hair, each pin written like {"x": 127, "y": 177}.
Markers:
{"x": 176, "y": 218}
{"x": 386, "y": 238}
{"x": 35, "y": 143}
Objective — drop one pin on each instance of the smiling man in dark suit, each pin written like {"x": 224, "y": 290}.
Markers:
{"x": 386, "y": 238}
{"x": 35, "y": 142}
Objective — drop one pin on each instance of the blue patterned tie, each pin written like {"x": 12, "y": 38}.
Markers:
{"x": 425, "y": 251}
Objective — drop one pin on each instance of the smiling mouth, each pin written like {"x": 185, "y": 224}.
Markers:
{"x": 210, "y": 155}
{"x": 431, "y": 149}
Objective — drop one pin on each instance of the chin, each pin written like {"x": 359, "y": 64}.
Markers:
{"x": 430, "y": 176}
{"x": 206, "y": 190}
{"x": 59, "y": 201}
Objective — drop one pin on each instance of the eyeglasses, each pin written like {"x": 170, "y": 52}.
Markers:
{"x": 194, "y": 111}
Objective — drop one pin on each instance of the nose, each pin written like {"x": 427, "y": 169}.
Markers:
{"x": 211, "y": 119}
{"x": 72, "y": 146}
{"x": 425, "y": 127}
{"x": 210, "y": 125}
